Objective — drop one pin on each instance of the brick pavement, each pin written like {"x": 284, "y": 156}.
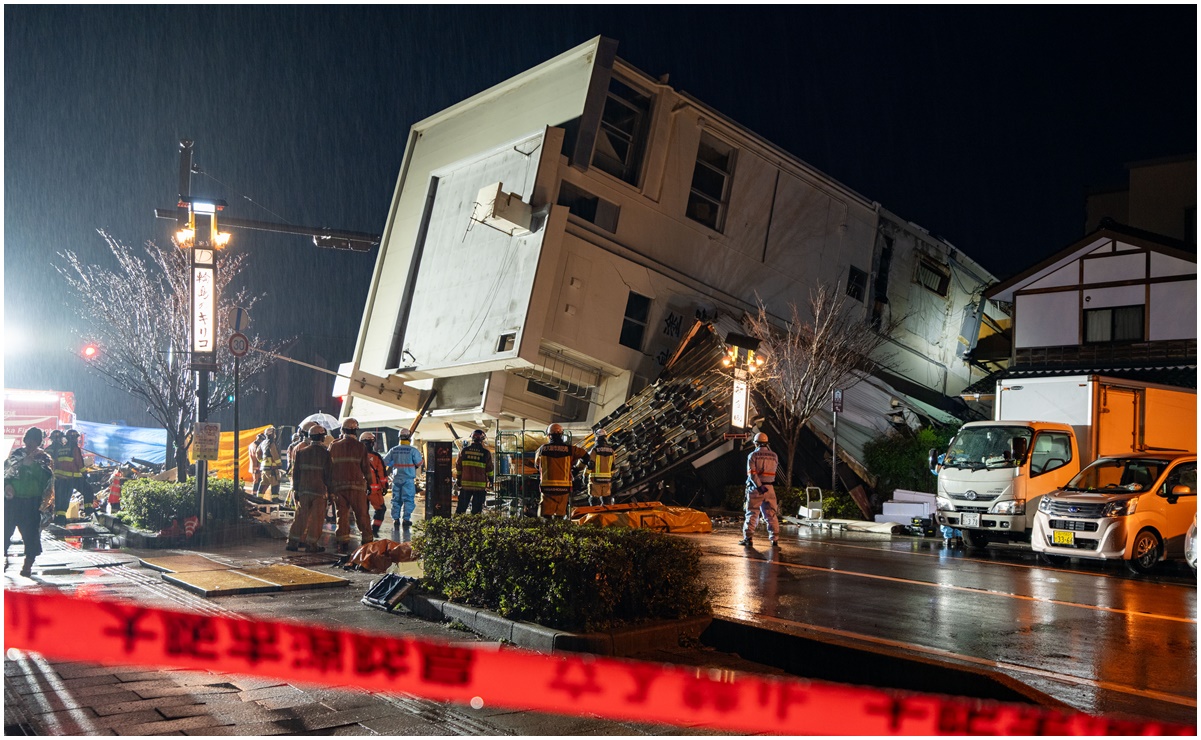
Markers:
{"x": 62, "y": 698}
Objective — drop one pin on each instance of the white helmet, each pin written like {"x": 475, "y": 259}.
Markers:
{"x": 405, "y": 433}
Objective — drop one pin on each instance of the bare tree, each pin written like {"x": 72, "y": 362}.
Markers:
{"x": 139, "y": 317}
{"x": 807, "y": 358}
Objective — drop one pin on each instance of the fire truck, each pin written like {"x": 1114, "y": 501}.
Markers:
{"x": 23, "y": 409}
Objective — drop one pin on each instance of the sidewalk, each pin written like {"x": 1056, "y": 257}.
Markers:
{"x": 59, "y": 698}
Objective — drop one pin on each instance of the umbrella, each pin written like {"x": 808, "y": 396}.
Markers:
{"x": 329, "y": 422}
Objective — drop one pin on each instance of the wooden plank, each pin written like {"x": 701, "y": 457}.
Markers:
{"x": 293, "y": 577}
{"x": 183, "y": 564}
{"x": 209, "y": 583}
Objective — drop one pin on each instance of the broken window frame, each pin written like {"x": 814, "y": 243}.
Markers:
{"x": 699, "y": 197}
{"x": 622, "y": 97}
{"x": 632, "y": 325}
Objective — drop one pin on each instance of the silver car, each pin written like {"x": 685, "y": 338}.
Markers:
{"x": 1190, "y": 545}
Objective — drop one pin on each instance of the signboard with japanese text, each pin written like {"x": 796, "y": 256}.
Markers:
{"x": 206, "y": 444}
{"x": 204, "y": 305}
{"x": 738, "y": 405}
{"x": 837, "y": 400}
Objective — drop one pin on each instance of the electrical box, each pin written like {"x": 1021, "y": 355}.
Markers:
{"x": 502, "y": 211}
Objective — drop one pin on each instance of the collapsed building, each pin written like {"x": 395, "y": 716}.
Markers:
{"x": 553, "y": 240}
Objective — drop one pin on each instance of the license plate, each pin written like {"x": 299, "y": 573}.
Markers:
{"x": 970, "y": 520}
{"x": 1061, "y": 537}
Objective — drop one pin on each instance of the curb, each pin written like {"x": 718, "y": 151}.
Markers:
{"x": 611, "y": 643}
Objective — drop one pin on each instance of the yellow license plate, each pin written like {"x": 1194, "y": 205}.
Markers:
{"x": 1060, "y": 537}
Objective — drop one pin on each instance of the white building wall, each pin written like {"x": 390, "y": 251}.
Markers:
{"x": 1047, "y": 320}
{"x": 1173, "y": 311}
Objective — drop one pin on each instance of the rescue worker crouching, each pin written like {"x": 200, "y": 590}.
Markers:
{"x": 600, "y": 471}
{"x": 761, "y": 467}
{"x": 473, "y": 468}
{"x": 557, "y": 461}
{"x": 404, "y": 460}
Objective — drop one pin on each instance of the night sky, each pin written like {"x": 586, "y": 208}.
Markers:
{"x": 986, "y": 126}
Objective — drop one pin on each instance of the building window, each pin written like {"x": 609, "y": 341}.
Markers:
{"x": 857, "y": 284}
{"x": 711, "y": 178}
{"x": 1116, "y": 324}
{"x": 633, "y": 326}
{"x": 589, "y": 207}
{"x": 621, "y": 141}
{"x": 933, "y": 276}
{"x": 542, "y": 389}
{"x": 506, "y": 342}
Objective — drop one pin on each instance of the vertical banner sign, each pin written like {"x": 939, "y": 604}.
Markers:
{"x": 204, "y": 303}
{"x": 838, "y": 400}
{"x": 738, "y": 404}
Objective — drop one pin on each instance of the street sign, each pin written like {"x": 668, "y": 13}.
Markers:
{"x": 239, "y": 345}
{"x": 241, "y": 319}
{"x": 838, "y": 400}
{"x": 206, "y": 443}
{"x": 738, "y": 404}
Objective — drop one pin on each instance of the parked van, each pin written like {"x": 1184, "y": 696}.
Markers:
{"x": 1136, "y": 507}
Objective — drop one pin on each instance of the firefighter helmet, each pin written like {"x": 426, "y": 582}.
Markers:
{"x": 367, "y": 437}
{"x": 405, "y": 433}
{"x": 317, "y": 433}
{"x": 479, "y": 435}
{"x": 601, "y": 434}
{"x": 555, "y": 432}
{"x": 72, "y": 433}
{"x": 350, "y": 426}
{"x": 760, "y": 439}
{"x": 56, "y": 434}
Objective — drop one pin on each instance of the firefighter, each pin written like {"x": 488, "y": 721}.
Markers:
{"x": 312, "y": 478}
{"x": 69, "y": 476}
{"x": 473, "y": 468}
{"x": 351, "y": 474}
{"x": 600, "y": 471}
{"x": 28, "y": 479}
{"x": 252, "y": 452}
{"x": 404, "y": 460}
{"x": 378, "y": 486}
{"x": 557, "y": 461}
{"x": 270, "y": 464}
{"x": 114, "y": 489}
{"x": 761, "y": 492}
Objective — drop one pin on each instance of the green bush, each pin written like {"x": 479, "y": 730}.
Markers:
{"x": 901, "y": 459}
{"x": 559, "y": 574}
{"x": 153, "y": 504}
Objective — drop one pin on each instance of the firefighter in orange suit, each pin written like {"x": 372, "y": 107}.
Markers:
{"x": 557, "y": 461}
{"x": 378, "y": 486}
{"x": 761, "y": 492}
{"x": 312, "y": 476}
{"x": 69, "y": 476}
{"x": 600, "y": 471}
{"x": 351, "y": 475}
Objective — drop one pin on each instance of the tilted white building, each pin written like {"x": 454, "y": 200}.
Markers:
{"x": 552, "y": 238}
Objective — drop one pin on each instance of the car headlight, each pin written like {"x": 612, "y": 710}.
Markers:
{"x": 1009, "y": 507}
{"x": 1120, "y": 508}
{"x": 1044, "y": 504}
{"x": 943, "y": 505}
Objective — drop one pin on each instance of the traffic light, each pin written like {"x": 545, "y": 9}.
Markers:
{"x": 90, "y": 351}
{"x": 230, "y": 398}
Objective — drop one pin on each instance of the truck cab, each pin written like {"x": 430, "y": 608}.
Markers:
{"x": 993, "y": 474}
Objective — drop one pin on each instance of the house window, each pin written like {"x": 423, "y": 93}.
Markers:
{"x": 933, "y": 276}
{"x": 589, "y": 207}
{"x": 633, "y": 326}
{"x": 1116, "y": 324}
{"x": 710, "y": 192}
{"x": 621, "y": 141}
{"x": 856, "y": 283}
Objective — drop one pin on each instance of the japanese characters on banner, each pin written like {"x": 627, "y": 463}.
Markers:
{"x": 118, "y": 633}
{"x": 204, "y": 323}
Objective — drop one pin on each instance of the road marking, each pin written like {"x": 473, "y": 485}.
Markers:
{"x": 1067, "y": 678}
{"x": 990, "y": 592}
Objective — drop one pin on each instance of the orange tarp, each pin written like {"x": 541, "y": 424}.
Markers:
{"x": 223, "y": 467}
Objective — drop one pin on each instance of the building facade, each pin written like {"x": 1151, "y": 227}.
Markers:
{"x": 551, "y": 240}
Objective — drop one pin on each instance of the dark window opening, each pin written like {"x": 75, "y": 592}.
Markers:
{"x": 880, "y": 289}
{"x": 589, "y": 207}
{"x": 710, "y": 193}
{"x": 633, "y": 326}
{"x": 857, "y": 284}
{"x": 542, "y": 389}
{"x": 621, "y": 140}
{"x": 506, "y": 342}
{"x": 933, "y": 276}
{"x": 1116, "y": 324}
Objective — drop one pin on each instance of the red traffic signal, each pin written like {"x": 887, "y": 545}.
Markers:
{"x": 90, "y": 351}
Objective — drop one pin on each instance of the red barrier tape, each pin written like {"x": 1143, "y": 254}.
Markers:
{"x": 120, "y": 633}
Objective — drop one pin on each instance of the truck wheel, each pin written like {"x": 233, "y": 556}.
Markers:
{"x": 1145, "y": 554}
{"x": 1059, "y": 561}
{"x": 974, "y": 539}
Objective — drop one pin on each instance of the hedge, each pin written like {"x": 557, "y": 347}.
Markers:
{"x": 152, "y": 504}
{"x": 562, "y": 575}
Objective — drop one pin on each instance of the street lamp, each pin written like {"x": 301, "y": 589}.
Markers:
{"x": 742, "y": 358}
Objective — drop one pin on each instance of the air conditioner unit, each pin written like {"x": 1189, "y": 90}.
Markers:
{"x": 502, "y": 211}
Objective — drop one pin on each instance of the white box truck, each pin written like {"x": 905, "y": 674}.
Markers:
{"x": 1045, "y": 430}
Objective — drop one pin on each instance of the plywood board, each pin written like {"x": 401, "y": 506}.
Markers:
{"x": 183, "y": 564}
{"x": 210, "y": 583}
{"x": 293, "y": 577}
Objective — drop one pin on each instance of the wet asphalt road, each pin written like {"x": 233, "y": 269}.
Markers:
{"x": 1090, "y": 635}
